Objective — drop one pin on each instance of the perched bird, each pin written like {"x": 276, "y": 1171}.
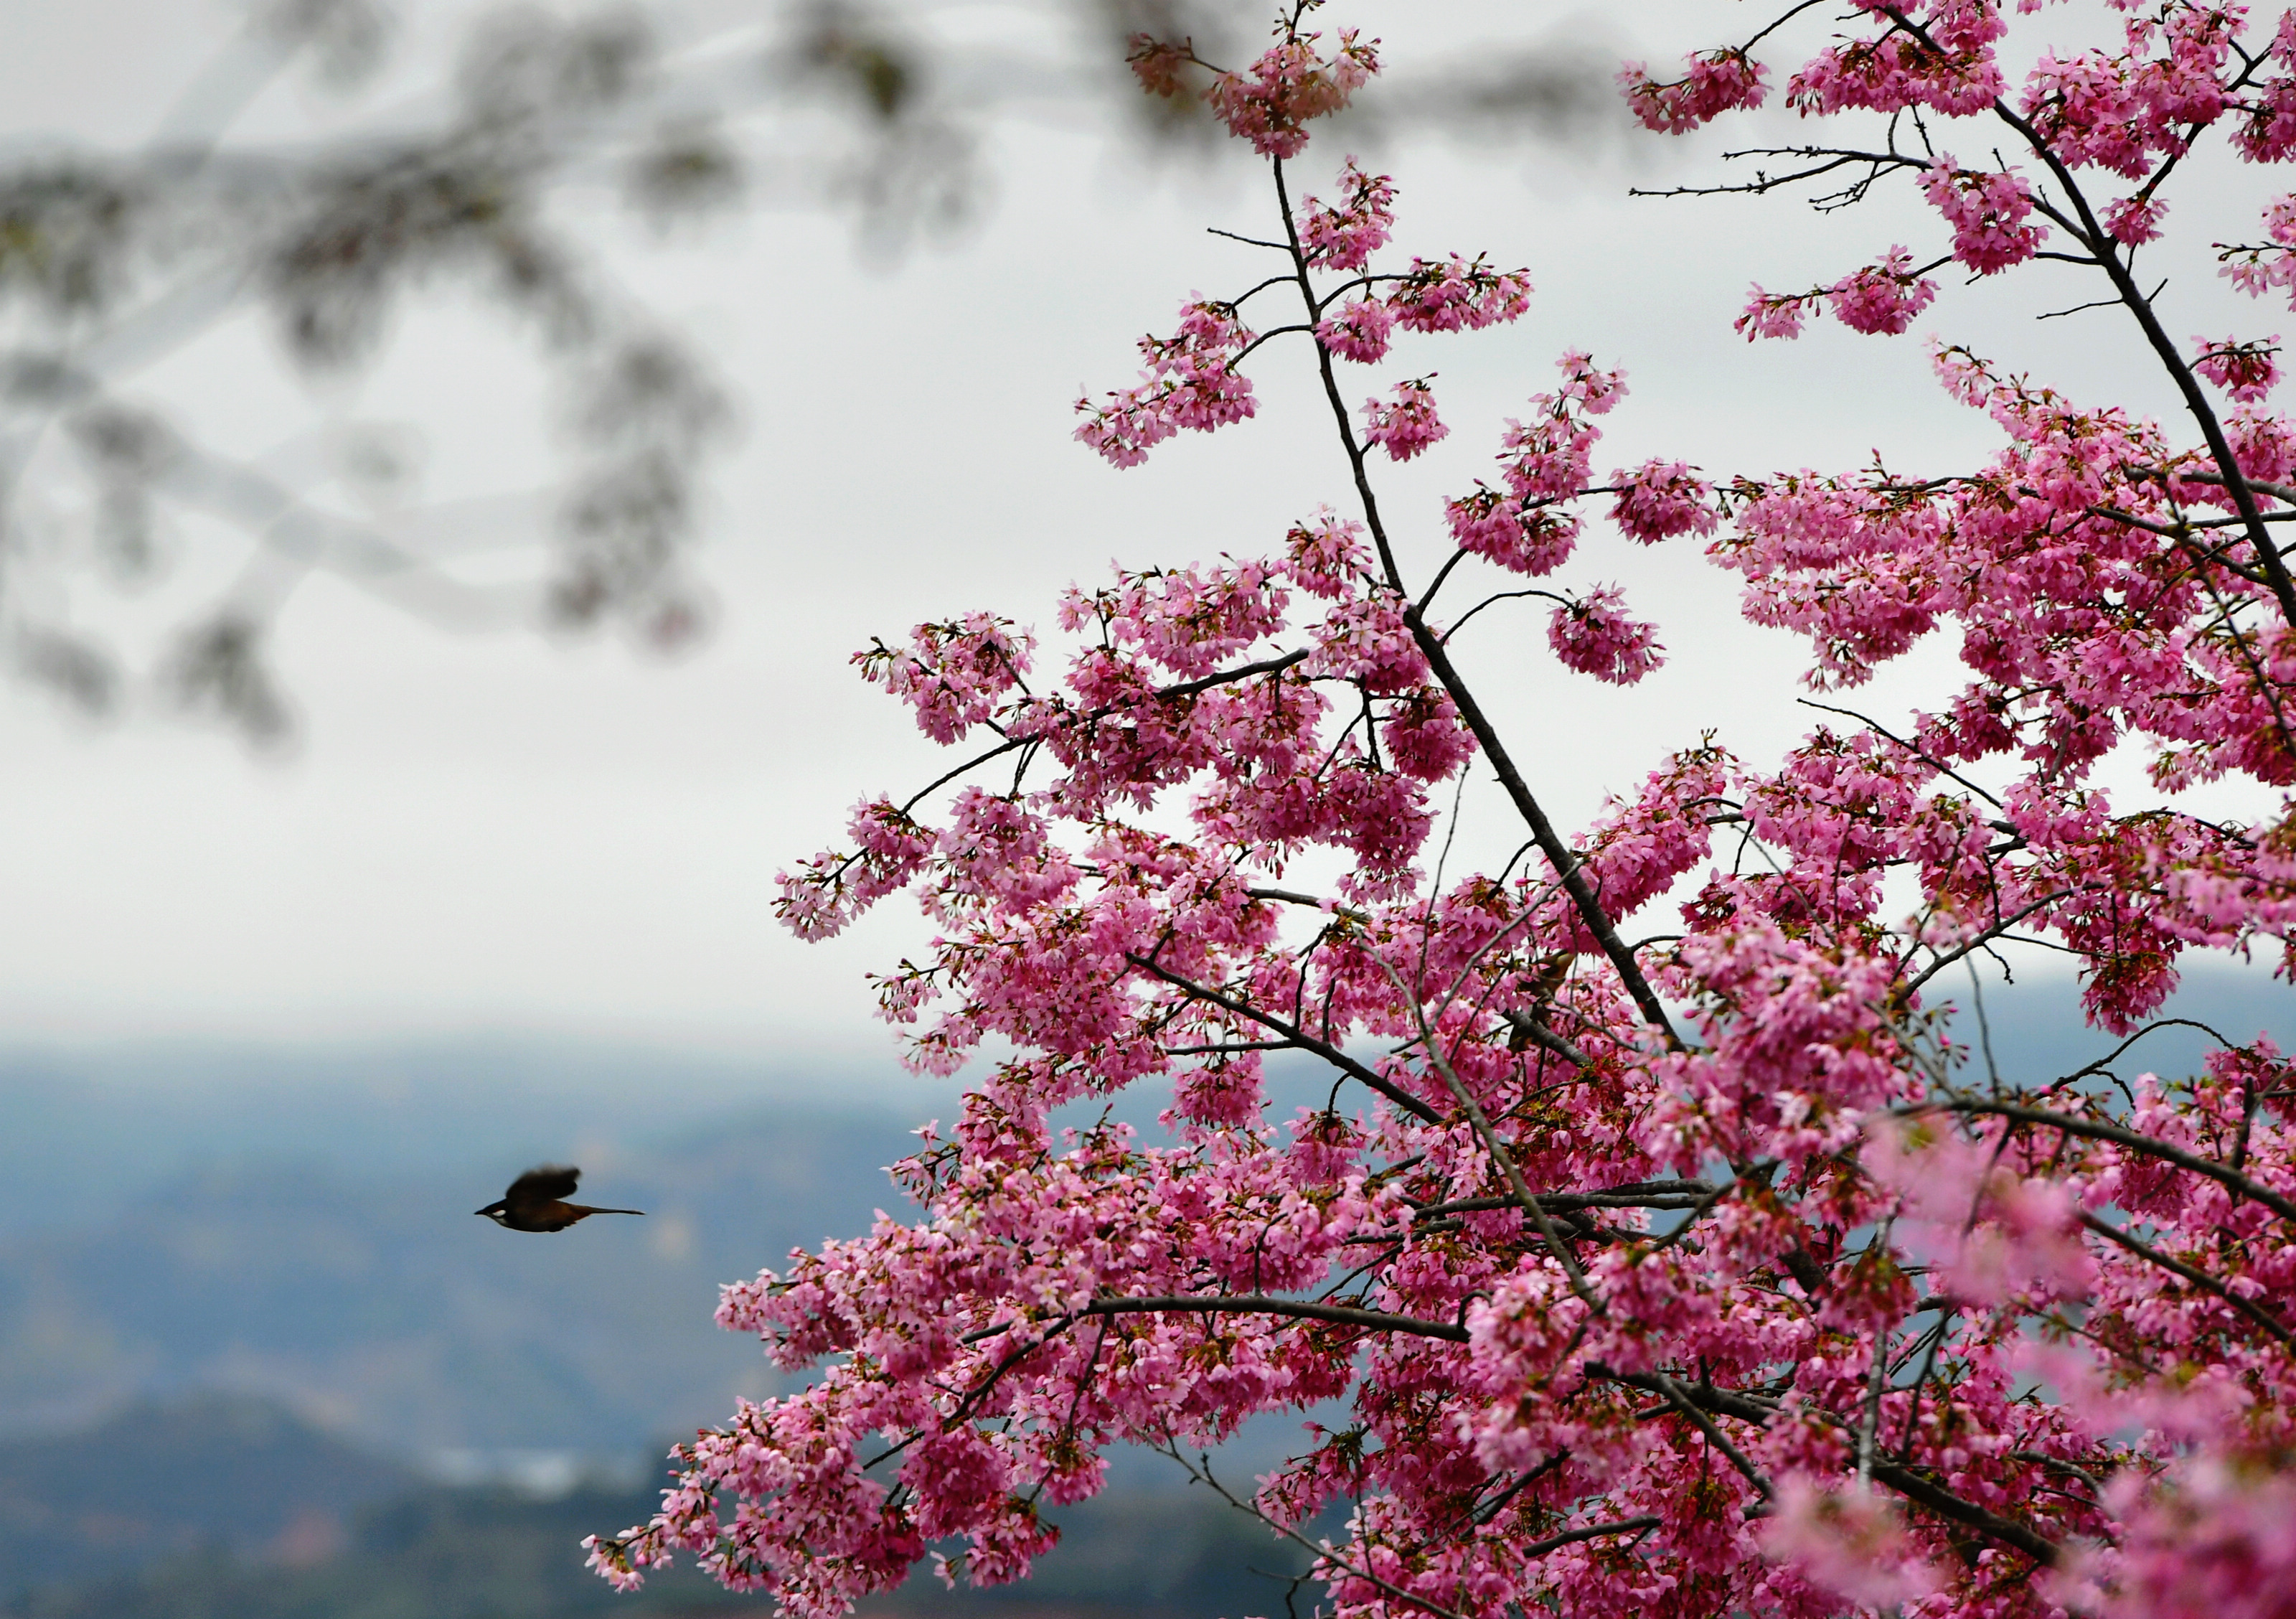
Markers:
{"x": 536, "y": 1201}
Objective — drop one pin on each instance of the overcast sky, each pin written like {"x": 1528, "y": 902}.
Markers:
{"x": 505, "y": 832}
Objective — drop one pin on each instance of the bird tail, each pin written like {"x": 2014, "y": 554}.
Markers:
{"x": 587, "y": 1210}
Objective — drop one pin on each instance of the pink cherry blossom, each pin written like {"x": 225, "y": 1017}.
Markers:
{"x": 1343, "y": 235}
{"x": 1773, "y": 314}
{"x": 1190, "y": 382}
{"x": 2247, "y": 370}
{"x": 1327, "y": 554}
{"x": 2134, "y": 221}
{"x": 1719, "y": 82}
{"x": 1404, "y": 425}
{"x": 1851, "y": 1542}
{"x": 1592, "y": 635}
{"x": 1359, "y": 332}
{"x": 1882, "y": 298}
{"x": 1288, "y": 86}
{"x": 1988, "y": 211}
{"x": 1661, "y": 499}
{"x": 1457, "y": 295}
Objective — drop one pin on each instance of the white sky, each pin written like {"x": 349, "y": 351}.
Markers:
{"x": 499, "y": 832}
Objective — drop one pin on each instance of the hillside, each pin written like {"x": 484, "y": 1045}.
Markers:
{"x": 222, "y": 1473}
{"x": 228, "y": 1508}
{"x": 382, "y": 1308}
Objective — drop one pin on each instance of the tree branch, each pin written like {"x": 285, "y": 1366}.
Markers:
{"x": 2099, "y": 1131}
{"x": 1261, "y": 1304}
{"x": 2198, "y": 1278}
{"x": 1298, "y": 1035}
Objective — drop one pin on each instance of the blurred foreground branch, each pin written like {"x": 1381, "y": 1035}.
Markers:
{"x": 494, "y": 182}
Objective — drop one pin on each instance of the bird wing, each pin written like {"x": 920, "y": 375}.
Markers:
{"x": 544, "y": 1183}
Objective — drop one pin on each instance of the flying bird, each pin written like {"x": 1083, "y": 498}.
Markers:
{"x": 536, "y": 1201}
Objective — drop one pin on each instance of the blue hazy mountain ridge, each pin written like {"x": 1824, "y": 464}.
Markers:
{"x": 228, "y": 1506}
{"x": 433, "y": 1552}
{"x": 378, "y": 1306}
{"x": 225, "y": 1472}
{"x": 299, "y": 1226}
{"x": 90, "y": 1131}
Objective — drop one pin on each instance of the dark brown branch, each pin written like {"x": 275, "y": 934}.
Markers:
{"x": 1189, "y": 688}
{"x": 2278, "y": 491}
{"x": 1186, "y": 688}
{"x": 2099, "y": 1131}
{"x": 1651, "y": 1195}
{"x": 1947, "y": 1504}
{"x": 1559, "y": 854}
{"x": 1915, "y": 1488}
{"x": 1213, "y": 230}
{"x": 1531, "y": 1028}
{"x": 2102, "y": 1063}
{"x": 1550, "y": 843}
{"x": 1296, "y": 1036}
{"x": 1286, "y": 896}
{"x": 2198, "y": 1278}
{"x": 1633, "y": 1525}
{"x": 2094, "y": 237}
{"x": 1259, "y": 1303}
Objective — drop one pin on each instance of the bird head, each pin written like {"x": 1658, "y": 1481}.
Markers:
{"x": 495, "y": 1211}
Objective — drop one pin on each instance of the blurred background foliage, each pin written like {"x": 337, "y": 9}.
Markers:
{"x": 492, "y": 181}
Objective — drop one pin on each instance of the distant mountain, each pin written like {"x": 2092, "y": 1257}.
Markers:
{"x": 231, "y": 1510}
{"x": 333, "y": 1263}
{"x": 92, "y": 1131}
{"x": 492, "y": 1555}
{"x": 219, "y": 1474}
{"x": 385, "y": 1311}
{"x": 299, "y": 1226}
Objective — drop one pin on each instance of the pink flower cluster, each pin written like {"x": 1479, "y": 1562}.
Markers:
{"x": 2268, "y": 132}
{"x": 1661, "y": 499}
{"x": 1291, "y": 84}
{"x": 2134, "y": 221}
{"x": 1270, "y": 103}
{"x": 1455, "y": 295}
{"x": 1943, "y": 62}
{"x": 889, "y": 848}
{"x": 1326, "y": 554}
{"x": 2123, "y": 111}
{"x": 2247, "y": 370}
{"x": 1988, "y": 211}
{"x": 1881, "y": 299}
{"x": 1360, "y": 331}
{"x": 2259, "y": 269}
{"x": 1343, "y": 235}
{"x": 1592, "y": 635}
{"x": 1404, "y": 425}
{"x": 953, "y": 675}
{"x": 1545, "y": 464}
{"x": 1851, "y": 1542}
{"x": 2214, "y": 1537}
{"x": 1190, "y": 382}
{"x": 1713, "y": 84}
{"x": 1451, "y": 296}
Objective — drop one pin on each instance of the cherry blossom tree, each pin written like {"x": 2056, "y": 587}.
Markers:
{"x": 1694, "y": 1272}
